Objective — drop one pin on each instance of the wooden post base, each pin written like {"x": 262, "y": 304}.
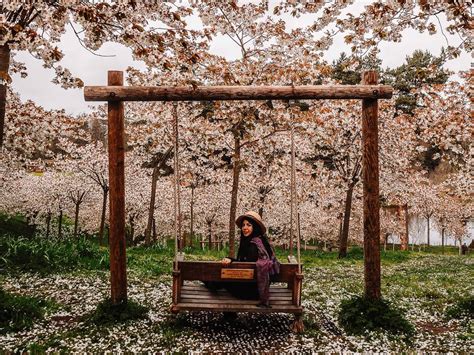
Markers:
{"x": 297, "y": 326}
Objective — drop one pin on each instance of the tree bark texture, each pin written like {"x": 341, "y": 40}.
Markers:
{"x": 428, "y": 230}
{"x": 116, "y": 147}
{"x": 370, "y": 178}
{"x": 154, "y": 230}
{"x": 404, "y": 239}
{"x": 235, "y": 190}
{"x": 191, "y": 231}
{"x": 4, "y": 67}
{"x": 48, "y": 224}
{"x": 132, "y": 230}
{"x": 76, "y": 218}
{"x": 442, "y": 240}
{"x": 60, "y": 224}
{"x": 347, "y": 217}
{"x": 209, "y": 226}
{"x": 210, "y": 93}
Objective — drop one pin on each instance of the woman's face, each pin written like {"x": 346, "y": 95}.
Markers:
{"x": 247, "y": 228}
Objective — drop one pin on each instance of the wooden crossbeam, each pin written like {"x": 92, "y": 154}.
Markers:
{"x": 208, "y": 93}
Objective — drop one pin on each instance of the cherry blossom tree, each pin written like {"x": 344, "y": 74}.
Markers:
{"x": 155, "y": 31}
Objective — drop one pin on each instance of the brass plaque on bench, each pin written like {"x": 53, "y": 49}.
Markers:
{"x": 246, "y": 274}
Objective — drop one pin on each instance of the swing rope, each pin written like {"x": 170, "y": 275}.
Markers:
{"x": 293, "y": 198}
{"x": 292, "y": 183}
{"x": 176, "y": 187}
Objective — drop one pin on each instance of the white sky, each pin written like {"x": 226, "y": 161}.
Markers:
{"x": 93, "y": 69}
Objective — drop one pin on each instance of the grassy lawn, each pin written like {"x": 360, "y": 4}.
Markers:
{"x": 73, "y": 275}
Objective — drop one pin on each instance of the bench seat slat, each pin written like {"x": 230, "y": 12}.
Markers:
{"x": 227, "y": 296}
{"x": 202, "y": 288}
{"x": 236, "y": 308}
{"x": 231, "y": 301}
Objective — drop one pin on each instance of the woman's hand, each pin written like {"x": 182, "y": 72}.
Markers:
{"x": 226, "y": 261}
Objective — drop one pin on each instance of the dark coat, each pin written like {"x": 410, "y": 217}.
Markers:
{"x": 248, "y": 252}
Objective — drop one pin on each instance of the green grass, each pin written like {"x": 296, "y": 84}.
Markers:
{"x": 19, "y": 312}
{"x": 108, "y": 313}
{"x": 84, "y": 254}
{"x": 51, "y": 255}
{"x": 462, "y": 308}
{"x": 359, "y": 315}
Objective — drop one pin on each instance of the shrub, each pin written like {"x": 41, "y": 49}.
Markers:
{"x": 18, "y": 312}
{"x": 463, "y": 308}
{"x": 108, "y": 313}
{"x": 359, "y": 315}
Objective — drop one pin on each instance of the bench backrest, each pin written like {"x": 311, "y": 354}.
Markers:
{"x": 211, "y": 271}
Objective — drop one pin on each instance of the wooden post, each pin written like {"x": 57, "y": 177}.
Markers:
{"x": 293, "y": 204}
{"x": 116, "y": 138}
{"x": 370, "y": 179}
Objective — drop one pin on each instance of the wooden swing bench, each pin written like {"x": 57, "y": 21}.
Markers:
{"x": 189, "y": 295}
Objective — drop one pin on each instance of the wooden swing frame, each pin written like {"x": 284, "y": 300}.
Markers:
{"x": 116, "y": 94}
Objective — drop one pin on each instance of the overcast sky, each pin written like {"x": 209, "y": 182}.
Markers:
{"x": 93, "y": 69}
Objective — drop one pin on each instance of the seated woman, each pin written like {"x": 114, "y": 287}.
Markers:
{"x": 254, "y": 247}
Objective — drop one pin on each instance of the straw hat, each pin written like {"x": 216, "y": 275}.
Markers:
{"x": 254, "y": 216}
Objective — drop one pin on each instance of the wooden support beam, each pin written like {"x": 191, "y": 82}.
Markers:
{"x": 370, "y": 180}
{"x": 208, "y": 93}
{"x": 116, "y": 138}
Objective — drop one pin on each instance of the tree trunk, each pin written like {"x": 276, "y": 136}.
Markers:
{"x": 340, "y": 227}
{"x": 30, "y": 221}
{"x": 76, "y": 218}
{"x": 183, "y": 240}
{"x": 235, "y": 190}
{"x": 347, "y": 217}
{"x": 262, "y": 203}
{"x": 191, "y": 229}
{"x": 60, "y": 224}
{"x": 151, "y": 210}
{"x": 404, "y": 239}
{"x": 442, "y": 240}
{"x": 209, "y": 226}
{"x": 4, "y": 66}
{"x": 132, "y": 231}
{"x": 428, "y": 235}
{"x": 48, "y": 224}
{"x": 154, "y": 230}
{"x": 102, "y": 216}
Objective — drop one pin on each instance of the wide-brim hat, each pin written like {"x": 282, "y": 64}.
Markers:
{"x": 254, "y": 216}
